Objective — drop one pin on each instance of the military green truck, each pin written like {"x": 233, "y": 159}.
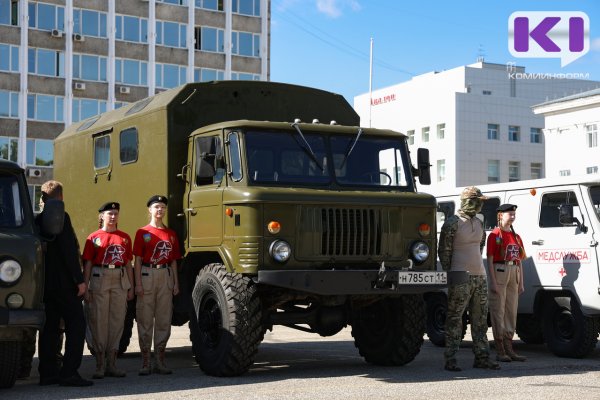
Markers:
{"x": 285, "y": 220}
{"x": 21, "y": 267}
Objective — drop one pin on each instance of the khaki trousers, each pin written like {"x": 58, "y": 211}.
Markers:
{"x": 503, "y": 305}
{"x": 107, "y": 308}
{"x": 155, "y": 308}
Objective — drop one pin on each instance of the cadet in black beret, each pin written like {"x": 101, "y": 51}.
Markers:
{"x": 157, "y": 199}
{"x": 506, "y": 207}
{"x": 109, "y": 206}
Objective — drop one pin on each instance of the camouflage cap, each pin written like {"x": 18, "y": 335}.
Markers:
{"x": 472, "y": 192}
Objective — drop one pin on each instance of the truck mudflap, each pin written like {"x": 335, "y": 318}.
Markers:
{"x": 22, "y": 318}
{"x": 356, "y": 282}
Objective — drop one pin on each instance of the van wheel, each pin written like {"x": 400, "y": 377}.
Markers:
{"x": 437, "y": 307}
{"x": 10, "y": 355}
{"x": 529, "y": 329}
{"x": 390, "y": 331}
{"x": 567, "y": 331}
{"x": 225, "y": 326}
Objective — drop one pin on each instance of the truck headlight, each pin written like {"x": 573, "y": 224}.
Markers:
{"x": 419, "y": 251}
{"x": 10, "y": 271}
{"x": 280, "y": 250}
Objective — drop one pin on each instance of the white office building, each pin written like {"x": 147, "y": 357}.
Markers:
{"x": 571, "y": 134}
{"x": 476, "y": 120}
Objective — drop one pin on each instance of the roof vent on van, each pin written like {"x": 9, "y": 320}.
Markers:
{"x": 139, "y": 106}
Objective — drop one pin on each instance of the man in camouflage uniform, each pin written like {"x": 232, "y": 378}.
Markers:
{"x": 460, "y": 247}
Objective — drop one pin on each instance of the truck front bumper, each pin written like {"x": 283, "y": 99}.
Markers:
{"x": 21, "y": 318}
{"x": 356, "y": 282}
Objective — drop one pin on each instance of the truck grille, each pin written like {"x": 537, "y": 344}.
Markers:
{"x": 350, "y": 232}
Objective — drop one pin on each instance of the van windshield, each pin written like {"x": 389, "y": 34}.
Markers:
{"x": 595, "y": 197}
{"x": 286, "y": 158}
{"x": 11, "y": 205}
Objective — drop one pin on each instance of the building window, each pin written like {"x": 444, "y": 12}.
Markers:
{"x": 46, "y": 62}
{"x": 535, "y": 135}
{"x": 171, "y": 34}
{"x": 592, "y": 135}
{"x": 564, "y": 172}
{"x": 175, "y": 2}
{"x": 592, "y": 170}
{"x": 441, "y": 131}
{"x": 9, "y": 58}
{"x": 89, "y": 68}
{"x": 487, "y": 92}
{"x": 9, "y": 148}
{"x": 425, "y": 134}
{"x": 40, "y": 152}
{"x": 35, "y": 193}
{"x": 514, "y": 171}
{"x": 536, "y": 170}
{"x": 89, "y": 23}
{"x": 215, "y": 5}
{"x": 244, "y": 76}
{"x": 493, "y": 170}
{"x": 246, "y": 7}
{"x": 245, "y": 44}
{"x": 86, "y": 108}
{"x": 411, "y": 137}
{"x": 46, "y": 16}
{"x": 128, "y": 146}
{"x": 132, "y": 29}
{"x": 207, "y": 75}
{"x": 170, "y": 75}
{"x": 209, "y": 39}
{"x": 441, "y": 170}
{"x": 131, "y": 72}
{"x": 9, "y": 12}
{"x": 41, "y": 107}
{"x": 514, "y": 133}
{"x": 9, "y": 104}
{"x": 493, "y": 131}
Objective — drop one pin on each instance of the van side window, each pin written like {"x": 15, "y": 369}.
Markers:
{"x": 101, "y": 151}
{"x": 209, "y": 160}
{"x": 128, "y": 143}
{"x": 444, "y": 210}
{"x": 488, "y": 211}
{"x": 550, "y": 206}
{"x": 235, "y": 162}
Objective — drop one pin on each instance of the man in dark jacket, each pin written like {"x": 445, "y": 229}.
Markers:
{"x": 63, "y": 290}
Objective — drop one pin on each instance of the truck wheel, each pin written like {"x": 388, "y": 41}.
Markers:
{"x": 529, "y": 329}
{"x": 10, "y": 354}
{"x": 390, "y": 331}
{"x": 437, "y": 307}
{"x": 127, "y": 327}
{"x": 225, "y": 326}
{"x": 567, "y": 331}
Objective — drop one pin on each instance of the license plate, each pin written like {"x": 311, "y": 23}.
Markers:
{"x": 422, "y": 278}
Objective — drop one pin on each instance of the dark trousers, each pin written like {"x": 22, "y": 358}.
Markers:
{"x": 69, "y": 308}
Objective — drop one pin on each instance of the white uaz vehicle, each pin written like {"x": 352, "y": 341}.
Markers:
{"x": 559, "y": 222}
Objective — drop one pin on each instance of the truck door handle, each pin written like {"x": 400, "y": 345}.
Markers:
{"x": 538, "y": 242}
{"x": 191, "y": 211}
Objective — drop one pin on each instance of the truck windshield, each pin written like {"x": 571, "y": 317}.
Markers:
{"x": 285, "y": 157}
{"x": 374, "y": 161}
{"x": 11, "y": 206}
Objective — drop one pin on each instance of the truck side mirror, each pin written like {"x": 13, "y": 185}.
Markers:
{"x": 53, "y": 217}
{"x": 565, "y": 214}
{"x": 423, "y": 166}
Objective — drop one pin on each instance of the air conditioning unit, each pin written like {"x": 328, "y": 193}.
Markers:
{"x": 79, "y": 86}
{"x": 78, "y": 37}
{"x": 34, "y": 172}
{"x": 56, "y": 33}
{"x": 124, "y": 90}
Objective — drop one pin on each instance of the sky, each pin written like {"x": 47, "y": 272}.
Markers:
{"x": 326, "y": 43}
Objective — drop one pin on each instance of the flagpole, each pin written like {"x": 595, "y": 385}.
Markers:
{"x": 370, "y": 81}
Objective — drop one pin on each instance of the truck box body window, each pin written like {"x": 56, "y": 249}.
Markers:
{"x": 101, "y": 151}
{"x": 128, "y": 146}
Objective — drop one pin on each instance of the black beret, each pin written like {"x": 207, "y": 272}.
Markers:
{"x": 157, "y": 199}
{"x": 109, "y": 206}
{"x": 506, "y": 207}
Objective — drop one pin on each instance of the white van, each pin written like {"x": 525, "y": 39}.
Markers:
{"x": 559, "y": 222}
